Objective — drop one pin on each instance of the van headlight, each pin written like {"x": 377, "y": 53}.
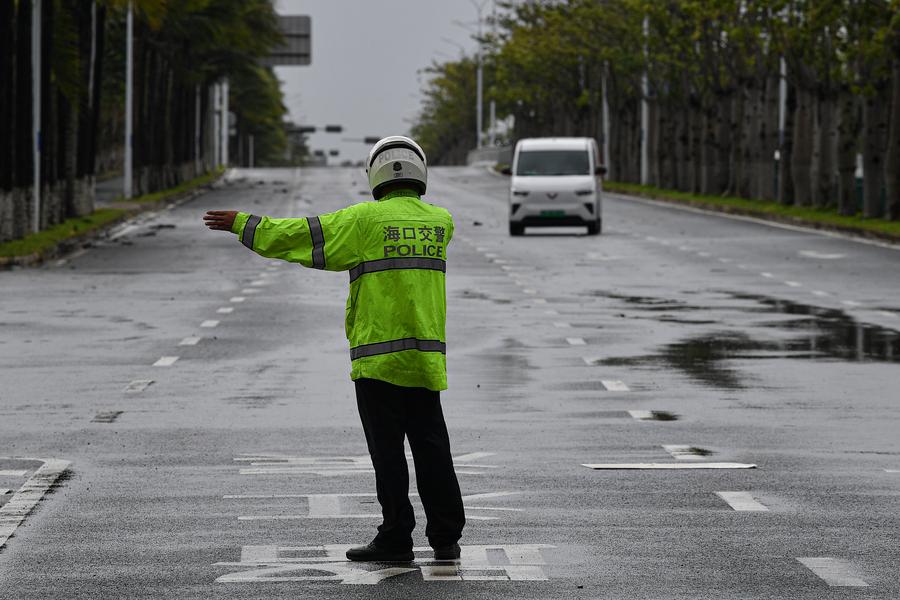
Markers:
{"x": 584, "y": 192}
{"x": 519, "y": 193}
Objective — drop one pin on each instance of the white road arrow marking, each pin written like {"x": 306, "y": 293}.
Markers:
{"x": 24, "y": 500}
{"x": 742, "y": 501}
{"x": 833, "y": 571}
{"x": 166, "y": 361}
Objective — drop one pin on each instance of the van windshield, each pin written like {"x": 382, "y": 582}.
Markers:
{"x": 553, "y": 162}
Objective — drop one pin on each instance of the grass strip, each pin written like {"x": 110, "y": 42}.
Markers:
{"x": 822, "y": 218}
{"x": 43, "y": 241}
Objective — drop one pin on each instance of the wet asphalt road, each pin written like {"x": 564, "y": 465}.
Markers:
{"x": 239, "y": 470}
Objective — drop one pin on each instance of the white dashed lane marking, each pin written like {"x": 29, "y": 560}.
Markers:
{"x": 641, "y": 415}
{"x": 250, "y": 291}
{"x": 11, "y": 473}
{"x": 614, "y": 385}
{"x": 550, "y": 311}
{"x": 793, "y": 283}
{"x": 138, "y": 385}
{"x": 210, "y": 323}
{"x": 670, "y": 466}
{"x": 576, "y": 341}
{"x": 742, "y": 501}
{"x": 24, "y": 500}
{"x": 225, "y": 310}
{"x": 237, "y": 299}
{"x": 540, "y": 301}
{"x": 259, "y": 283}
{"x": 851, "y": 303}
{"x": 166, "y": 361}
{"x": 833, "y": 571}
{"x": 820, "y": 293}
{"x": 189, "y": 341}
{"x": 561, "y": 325}
{"x": 885, "y": 313}
{"x": 767, "y": 275}
{"x": 529, "y": 291}
{"x": 680, "y": 452}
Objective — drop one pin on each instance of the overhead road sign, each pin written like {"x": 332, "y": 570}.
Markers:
{"x": 371, "y": 140}
{"x": 334, "y": 128}
{"x": 319, "y": 153}
{"x": 296, "y": 49}
{"x": 334, "y": 152}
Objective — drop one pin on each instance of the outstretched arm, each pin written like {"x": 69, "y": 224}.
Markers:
{"x": 323, "y": 242}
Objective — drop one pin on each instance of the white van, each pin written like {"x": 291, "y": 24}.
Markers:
{"x": 555, "y": 182}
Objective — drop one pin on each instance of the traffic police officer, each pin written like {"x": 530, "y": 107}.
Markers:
{"x": 396, "y": 251}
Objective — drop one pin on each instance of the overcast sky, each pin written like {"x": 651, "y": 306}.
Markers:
{"x": 366, "y": 58}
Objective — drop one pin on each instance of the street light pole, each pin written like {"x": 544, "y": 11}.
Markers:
{"x": 479, "y": 117}
{"x": 129, "y": 100}
{"x": 36, "y": 111}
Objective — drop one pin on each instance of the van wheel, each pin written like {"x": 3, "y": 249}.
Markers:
{"x": 595, "y": 227}
{"x": 516, "y": 229}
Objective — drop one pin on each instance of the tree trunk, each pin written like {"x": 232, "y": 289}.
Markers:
{"x": 801, "y": 157}
{"x": 848, "y": 135}
{"x": 768, "y": 139}
{"x": 653, "y": 149}
{"x": 724, "y": 143}
{"x": 786, "y": 150}
{"x": 826, "y": 145}
{"x": 875, "y": 126}
{"x": 892, "y": 156}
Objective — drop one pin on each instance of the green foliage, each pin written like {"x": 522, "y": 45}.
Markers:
{"x": 817, "y": 217}
{"x": 43, "y": 241}
{"x": 446, "y": 125}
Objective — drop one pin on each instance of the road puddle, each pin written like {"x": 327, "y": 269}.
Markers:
{"x": 790, "y": 330}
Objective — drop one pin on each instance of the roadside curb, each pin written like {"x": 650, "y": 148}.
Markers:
{"x": 132, "y": 210}
{"x": 764, "y": 216}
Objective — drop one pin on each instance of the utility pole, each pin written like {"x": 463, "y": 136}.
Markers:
{"x": 36, "y": 14}
{"x": 605, "y": 117}
{"x": 479, "y": 79}
{"x": 129, "y": 101}
{"x": 225, "y": 124}
{"x": 645, "y": 111}
{"x": 197, "y": 107}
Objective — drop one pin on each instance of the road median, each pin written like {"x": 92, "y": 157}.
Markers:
{"x": 814, "y": 218}
{"x": 71, "y": 234}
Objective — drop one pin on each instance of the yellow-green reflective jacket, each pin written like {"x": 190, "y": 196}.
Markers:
{"x": 396, "y": 252}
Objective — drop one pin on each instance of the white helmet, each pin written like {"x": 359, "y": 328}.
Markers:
{"x": 393, "y": 159}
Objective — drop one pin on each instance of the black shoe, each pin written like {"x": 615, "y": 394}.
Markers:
{"x": 447, "y": 552}
{"x": 372, "y": 553}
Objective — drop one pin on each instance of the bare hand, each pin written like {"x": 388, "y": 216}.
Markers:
{"x": 220, "y": 219}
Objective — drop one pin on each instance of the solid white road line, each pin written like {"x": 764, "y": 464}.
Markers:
{"x": 472, "y": 456}
{"x": 10, "y": 473}
{"x": 885, "y": 313}
{"x": 576, "y": 341}
{"x": 672, "y": 466}
{"x": 681, "y": 452}
{"x": 166, "y": 361}
{"x": 210, "y": 323}
{"x": 793, "y": 283}
{"x": 833, "y": 571}
{"x": 189, "y": 341}
{"x": 14, "y": 512}
{"x": 138, "y": 385}
{"x": 225, "y": 310}
{"x": 892, "y": 470}
{"x": 823, "y": 255}
{"x": 641, "y": 415}
{"x": 820, "y": 293}
{"x": 236, "y": 299}
{"x": 742, "y": 501}
{"x": 614, "y": 385}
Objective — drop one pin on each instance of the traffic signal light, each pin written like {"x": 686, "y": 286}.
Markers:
{"x": 334, "y": 128}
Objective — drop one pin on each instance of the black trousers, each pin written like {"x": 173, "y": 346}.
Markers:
{"x": 389, "y": 413}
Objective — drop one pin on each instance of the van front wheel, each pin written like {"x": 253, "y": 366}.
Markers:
{"x": 595, "y": 227}
{"x": 516, "y": 229}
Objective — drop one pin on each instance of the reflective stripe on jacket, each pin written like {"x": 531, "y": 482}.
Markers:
{"x": 395, "y": 251}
